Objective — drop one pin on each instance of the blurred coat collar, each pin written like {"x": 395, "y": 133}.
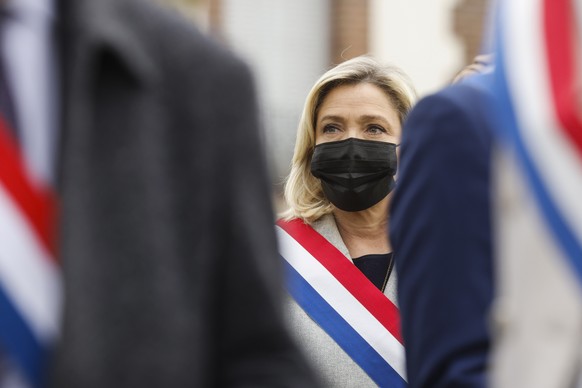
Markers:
{"x": 93, "y": 27}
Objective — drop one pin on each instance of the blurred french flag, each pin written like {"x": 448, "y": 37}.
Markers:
{"x": 537, "y": 175}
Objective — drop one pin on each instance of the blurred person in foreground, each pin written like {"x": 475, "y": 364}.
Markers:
{"x": 440, "y": 228}
{"x": 538, "y": 186}
{"x": 165, "y": 239}
{"x": 333, "y": 237}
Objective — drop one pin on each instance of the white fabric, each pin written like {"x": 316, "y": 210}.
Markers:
{"x": 29, "y": 48}
{"x": 27, "y": 274}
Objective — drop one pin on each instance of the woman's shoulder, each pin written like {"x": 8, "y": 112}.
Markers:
{"x": 326, "y": 227}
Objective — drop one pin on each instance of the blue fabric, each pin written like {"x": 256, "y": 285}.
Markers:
{"x": 343, "y": 334}
{"x": 19, "y": 344}
{"x": 440, "y": 231}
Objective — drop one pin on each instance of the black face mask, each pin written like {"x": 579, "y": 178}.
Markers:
{"x": 355, "y": 174}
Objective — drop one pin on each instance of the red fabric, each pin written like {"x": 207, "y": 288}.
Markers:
{"x": 561, "y": 47}
{"x": 38, "y": 204}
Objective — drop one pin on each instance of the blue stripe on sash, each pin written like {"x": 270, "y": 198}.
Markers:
{"x": 509, "y": 128}
{"x": 342, "y": 333}
{"x": 18, "y": 342}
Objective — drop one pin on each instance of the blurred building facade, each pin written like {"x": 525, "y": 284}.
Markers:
{"x": 289, "y": 44}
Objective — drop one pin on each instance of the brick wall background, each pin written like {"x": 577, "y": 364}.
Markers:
{"x": 349, "y": 24}
{"x": 468, "y": 25}
{"x": 349, "y": 29}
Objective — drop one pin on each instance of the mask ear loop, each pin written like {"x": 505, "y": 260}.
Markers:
{"x": 398, "y": 165}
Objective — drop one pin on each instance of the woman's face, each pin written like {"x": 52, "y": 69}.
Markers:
{"x": 362, "y": 111}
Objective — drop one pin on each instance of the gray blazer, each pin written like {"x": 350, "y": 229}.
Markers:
{"x": 537, "y": 315}
{"x": 166, "y": 239}
{"x": 333, "y": 365}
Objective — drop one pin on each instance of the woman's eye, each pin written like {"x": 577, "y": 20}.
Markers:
{"x": 376, "y": 129}
{"x": 330, "y": 128}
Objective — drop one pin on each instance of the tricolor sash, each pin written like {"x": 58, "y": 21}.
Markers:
{"x": 537, "y": 192}
{"x": 30, "y": 278}
{"x": 538, "y": 92}
{"x": 343, "y": 302}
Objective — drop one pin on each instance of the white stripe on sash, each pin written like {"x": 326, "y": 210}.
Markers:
{"x": 27, "y": 273}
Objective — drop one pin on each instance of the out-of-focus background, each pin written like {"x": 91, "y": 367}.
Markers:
{"x": 290, "y": 43}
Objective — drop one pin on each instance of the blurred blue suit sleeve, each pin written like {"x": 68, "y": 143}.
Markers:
{"x": 440, "y": 231}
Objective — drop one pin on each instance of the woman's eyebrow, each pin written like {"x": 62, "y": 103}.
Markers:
{"x": 331, "y": 118}
{"x": 367, "y": 118}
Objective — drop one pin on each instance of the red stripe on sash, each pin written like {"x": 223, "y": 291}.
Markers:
{"x": 561, "y": 47}
{"x": 37, "y": 204}
{"x": 346, "y": 273}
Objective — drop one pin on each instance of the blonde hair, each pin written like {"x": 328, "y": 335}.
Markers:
{"x": 303, "y": 192}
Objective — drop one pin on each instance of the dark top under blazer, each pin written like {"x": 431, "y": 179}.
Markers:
{"x": 172, "y": 277}
{"x": 440, "y": 231}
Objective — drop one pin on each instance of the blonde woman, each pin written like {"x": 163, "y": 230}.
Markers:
{"x": 334, "y": 236}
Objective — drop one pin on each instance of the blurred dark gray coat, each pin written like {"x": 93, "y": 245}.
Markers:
{"x": 166, "y": 238}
